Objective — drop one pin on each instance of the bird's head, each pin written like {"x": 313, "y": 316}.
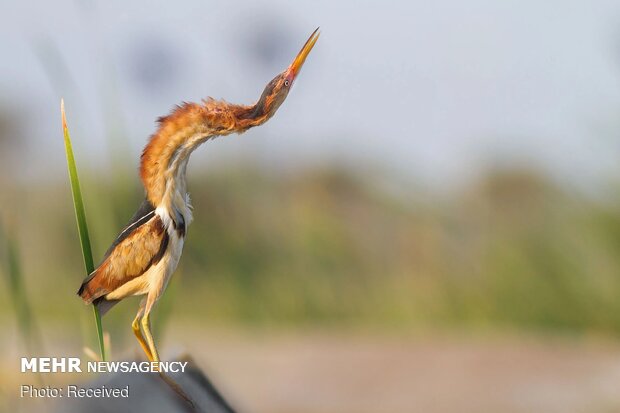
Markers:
{"x": 277, "y": 90}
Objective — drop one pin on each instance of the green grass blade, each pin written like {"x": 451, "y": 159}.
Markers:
{"x": 81, "y": 219}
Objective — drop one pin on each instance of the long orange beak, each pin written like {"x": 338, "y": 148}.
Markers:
{"x": 295, "y": 67}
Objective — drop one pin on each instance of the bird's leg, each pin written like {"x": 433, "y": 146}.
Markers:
{"x": 146, "y": 327}
{"x": 135, "y": 326}
{"x": 145, "y": 321}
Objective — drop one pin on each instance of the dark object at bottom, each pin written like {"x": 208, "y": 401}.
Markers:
{"x": 148, "y": 392}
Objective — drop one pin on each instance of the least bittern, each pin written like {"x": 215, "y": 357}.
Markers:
{"x": 143, "y": 258}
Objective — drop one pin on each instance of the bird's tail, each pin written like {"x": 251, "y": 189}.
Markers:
{"x": 104, "y": 305}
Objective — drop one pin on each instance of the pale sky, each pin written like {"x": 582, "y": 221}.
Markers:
{"x": 435, "y": 90}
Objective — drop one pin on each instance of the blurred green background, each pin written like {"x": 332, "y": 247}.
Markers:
{"x": 334, "y": 247}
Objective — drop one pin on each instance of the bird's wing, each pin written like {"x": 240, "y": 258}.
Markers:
{"x": 141, "y": 217}
{"x": 141, "y": 245}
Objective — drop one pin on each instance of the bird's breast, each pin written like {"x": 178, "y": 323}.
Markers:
{"x": 158, "y": 276}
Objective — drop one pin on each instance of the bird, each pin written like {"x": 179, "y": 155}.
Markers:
{"x": 144, "y": 256}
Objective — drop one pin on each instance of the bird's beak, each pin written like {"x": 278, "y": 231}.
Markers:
{"x": 295, "y": 67}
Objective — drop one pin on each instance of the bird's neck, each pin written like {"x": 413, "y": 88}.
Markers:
{"x": 164, "y": 159}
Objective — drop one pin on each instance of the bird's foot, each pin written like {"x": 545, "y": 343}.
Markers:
{"x": 177, "y": 389}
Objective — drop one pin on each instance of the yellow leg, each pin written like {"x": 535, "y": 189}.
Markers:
{"x": 145, "y": 322}
{"x": 146, "y": 328}
{"x": 135, "y": 326}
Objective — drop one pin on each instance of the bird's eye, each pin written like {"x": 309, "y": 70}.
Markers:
{"x": 287, "y": 83}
